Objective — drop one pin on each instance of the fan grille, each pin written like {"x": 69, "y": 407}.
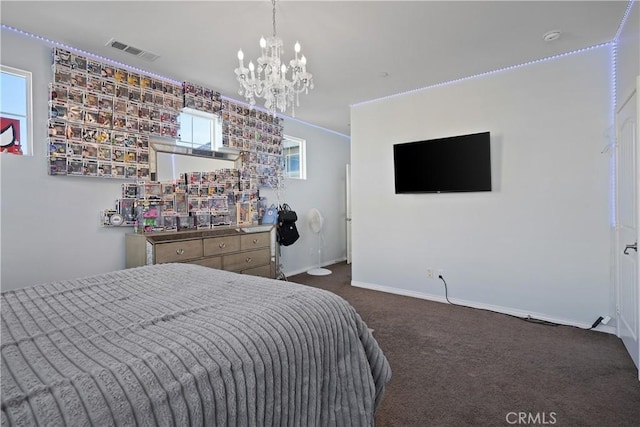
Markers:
{"x": 315, "y": 219}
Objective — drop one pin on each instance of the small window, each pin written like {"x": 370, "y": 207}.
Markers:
{"x": 295, "y": 159}
{"x": 15, "y": 110}
{"x": 199, "y": 130}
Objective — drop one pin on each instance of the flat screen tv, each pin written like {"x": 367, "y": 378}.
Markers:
{"x": 444, "y": 165}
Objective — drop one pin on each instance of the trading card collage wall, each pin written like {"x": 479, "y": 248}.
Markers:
{"x": 201, "y": 98}
{"x": 260, "y": 135}
{"x": 101, "y": 117}
{"x": 197, "y": 200}
{"x": 256, "y": 134}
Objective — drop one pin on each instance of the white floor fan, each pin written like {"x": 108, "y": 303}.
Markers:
{"x": 315, "y": 220}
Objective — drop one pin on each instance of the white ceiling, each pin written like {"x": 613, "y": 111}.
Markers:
{"x": 357, "y": 50}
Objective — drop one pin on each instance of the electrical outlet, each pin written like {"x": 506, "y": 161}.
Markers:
{"x": 430, "y": 273}
{"x": 606, "y": 320}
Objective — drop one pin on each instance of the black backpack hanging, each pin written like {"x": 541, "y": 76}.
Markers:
{"x": 287, "y": 230}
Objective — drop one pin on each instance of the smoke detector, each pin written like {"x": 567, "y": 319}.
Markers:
{"x": 140, "y": 53}
{"x": 550, "y": 36}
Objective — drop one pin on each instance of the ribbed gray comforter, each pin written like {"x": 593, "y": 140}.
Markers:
{"x": 185, "y": 345}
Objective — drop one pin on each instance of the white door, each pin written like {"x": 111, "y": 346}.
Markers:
{"x": 628, "y": 297}
{"x": 348, "y": 217}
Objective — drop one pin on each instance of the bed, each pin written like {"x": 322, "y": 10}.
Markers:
{"x": 186, "y": 345}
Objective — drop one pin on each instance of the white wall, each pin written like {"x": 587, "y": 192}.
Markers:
{"x": 538, "y": 243}
{"x": 327, "y": 156}
{"x": 49, "y": 226}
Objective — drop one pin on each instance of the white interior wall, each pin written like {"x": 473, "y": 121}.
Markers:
{"x": 50, "y": 225}
{"x": 538, "y": 243}
{"x": 328, "y": 154}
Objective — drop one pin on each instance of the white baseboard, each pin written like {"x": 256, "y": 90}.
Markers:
{"x": 305, "y": 269}
{"x": 481, "y": 306}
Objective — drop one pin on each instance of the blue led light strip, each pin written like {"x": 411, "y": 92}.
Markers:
{"x": 89, "y": 54}
{"x": 612, "y": 136}
{"x": 624, "y": 20}
{"x": 487, "y": 73}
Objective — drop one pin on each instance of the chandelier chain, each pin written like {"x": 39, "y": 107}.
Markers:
{"x": 273, "y": 2}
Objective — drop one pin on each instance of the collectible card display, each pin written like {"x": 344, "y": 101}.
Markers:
{"x": 198, "y": 200}
{"x": 95, "y": 109}
{"x": 104, "y": 118}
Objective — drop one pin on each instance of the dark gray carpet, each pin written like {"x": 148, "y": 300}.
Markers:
{"x": 459, "y": 366}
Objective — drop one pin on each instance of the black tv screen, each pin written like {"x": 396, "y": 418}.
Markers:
{"x": 453, "y": 164}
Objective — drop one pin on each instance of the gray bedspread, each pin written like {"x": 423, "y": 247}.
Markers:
{"x": 185, "y": 345}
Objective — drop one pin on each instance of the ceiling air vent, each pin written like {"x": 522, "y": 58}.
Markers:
{"x": 147, "y": 56}
{"x": 133, "y": 50}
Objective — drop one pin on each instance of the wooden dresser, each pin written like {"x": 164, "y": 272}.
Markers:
{"x": 245, "y": 250}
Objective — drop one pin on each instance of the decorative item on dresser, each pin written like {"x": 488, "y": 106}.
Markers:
{"x": 244, "y": 250}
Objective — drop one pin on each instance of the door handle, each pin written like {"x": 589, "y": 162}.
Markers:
{"x": 633, "y": 246}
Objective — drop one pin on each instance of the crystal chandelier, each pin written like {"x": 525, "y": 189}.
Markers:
{"x": 278, "y": 84}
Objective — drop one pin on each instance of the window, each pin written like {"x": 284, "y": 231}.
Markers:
{"x": 15, "y": 110}
{"x": 199, "y": 130}
{"x": 295, "y": 160}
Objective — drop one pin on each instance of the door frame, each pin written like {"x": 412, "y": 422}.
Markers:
{"x": 634, "y": 347}
{"x": 348, "y": 211}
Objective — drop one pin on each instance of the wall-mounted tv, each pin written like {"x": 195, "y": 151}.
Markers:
{"x": 444, "y": 165}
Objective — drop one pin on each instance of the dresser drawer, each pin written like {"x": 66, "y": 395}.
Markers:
{"x": 211, "y": 262}
{"x": 221, "y": 245}
{"x": 178, "y": 251}
{"x": 246, "y": 260}
{"x": 255, "y": 240}
{"x": 248, "y": 250}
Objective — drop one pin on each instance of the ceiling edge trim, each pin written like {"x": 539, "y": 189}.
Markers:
{"x": 486, "y": 73}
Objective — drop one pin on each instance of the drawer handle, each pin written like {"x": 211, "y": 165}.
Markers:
{"x": 248, "y": 259}
{"x": 255, "y": 241}
{"x": 180, "y": 251}
{"x": 222, "y": 245}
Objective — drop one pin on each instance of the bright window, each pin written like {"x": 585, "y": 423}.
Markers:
{"x": 295, "y": 160}
{"x": 15, "y": 110}
{"x": 198, "y": 129}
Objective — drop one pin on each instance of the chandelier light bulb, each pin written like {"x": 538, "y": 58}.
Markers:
{"x": 303, "y": 60}
{"x": 251, "y": 66}
{"x": 297, "y": 47}
{"x": 263, "y": 42}
{"x": 240, "y": 55}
